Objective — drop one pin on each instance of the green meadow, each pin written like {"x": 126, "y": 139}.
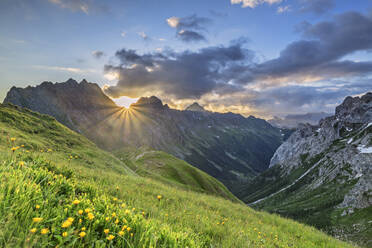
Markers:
{"x": 59, "y": 189}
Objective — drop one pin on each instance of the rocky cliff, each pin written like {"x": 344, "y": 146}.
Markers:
{"x": 227, "y": 146}
{"x": 322, "y": 174}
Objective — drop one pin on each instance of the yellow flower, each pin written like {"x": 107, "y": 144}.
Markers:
{"x": 15, "y": 148}
{"x": 64, "y": 234}
{"x": 115, "y": 199}
{"x": 80, "y": 212}
{"x": 83, "y": 228}
{"x": 107, "y": 218}
{"x": 76, "y": 202}
{"x": 37, "y": 219}
{"x": 66, "y": 224}
{"x": 90, "y": 216}
{"x": 87, "y": 210}
{"x": 106, "y": 231}
{"x": 37, "y": 206}
{"x": 13, "y": 139}
{"x": 123, "y": 205}
{"x": 82, "y": 234}
{"x": 131, "y": 234}
{"x": 127, "y": 211}
{"x": 44, "y": 231}
{"x": 121, "y": 233}
{"x": 21, "y": 163}
{"x": 133, "y": 209}
{"x": 128, "y": 228}
{"x": 110, "y": 237}
{"x": 22, "y": 146}
{"x": 70, "y": 219}
{"x": 116, "y": 221}
{"x": 117, "y": 187}
{"x": 33, "y": 230}
{"x": 80, "y": 220}
{"x": 113, "y": 214}
{"x": 159, "y": 197}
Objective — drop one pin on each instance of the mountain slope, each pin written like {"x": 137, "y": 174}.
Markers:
{"x": 227, "y": 146}
{"x": 44, "y": 134}
{"x": 171, "y": 170}
{"x": 322, "y": 175}
{"x": 49, "y": 199}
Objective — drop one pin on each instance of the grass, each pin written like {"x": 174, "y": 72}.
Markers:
{"x": 54, "y": 180}
{"x": 171, "y": 170}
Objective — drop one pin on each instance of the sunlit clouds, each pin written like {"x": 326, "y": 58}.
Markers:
{"x": 254, "y": 3}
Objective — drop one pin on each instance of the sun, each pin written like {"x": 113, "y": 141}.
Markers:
{"x": 124, "y": 101}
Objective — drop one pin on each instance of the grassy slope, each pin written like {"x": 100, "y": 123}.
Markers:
{"x": 171, "y": 170}
{"x": 116, "y": 199}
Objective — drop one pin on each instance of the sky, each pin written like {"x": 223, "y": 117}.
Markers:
{"x": 255, "y": 57}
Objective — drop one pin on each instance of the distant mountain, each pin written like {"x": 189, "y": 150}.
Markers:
{"x": 292, "y": 121}
{"x": 195, "y": 107}
{"x": 227, "y": 146}
{"x": 322, "y": 175}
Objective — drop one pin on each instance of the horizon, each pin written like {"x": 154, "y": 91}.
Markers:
{"x": 222, "y": 56}
{"x": 126, "y": 103}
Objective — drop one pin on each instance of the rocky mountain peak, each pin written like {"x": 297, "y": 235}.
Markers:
{"x": 149, "y": 102}
{"x": 356, "y": 109}
{"x": 195, "y": 107}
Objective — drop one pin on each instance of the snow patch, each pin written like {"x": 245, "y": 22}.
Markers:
{"x": 318, "y": 130}
{"x": 363, "y": 149}
{"x": 350, "y": 140}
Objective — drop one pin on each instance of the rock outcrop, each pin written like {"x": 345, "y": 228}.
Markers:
{"x": 322, "y": 174}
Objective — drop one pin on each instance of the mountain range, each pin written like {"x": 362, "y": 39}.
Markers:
{"x": 293, "y": 120}
{"x": 227, "y": 146}
{"x": 322, "y": 175}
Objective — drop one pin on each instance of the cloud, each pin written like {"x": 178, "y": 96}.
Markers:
{"x": 98, "y": 54}
{"x": 65, "y": 69}
{"x": 320, "y": 54}
{"x": 317, "y": 6}
{"x": 86, "y": 6}
{"x": 144, "y": 36}
{"x": 310, "y": 74}
{"x": 189, "y": 36}
{"x": 254, "y": 3}
{"x": 180, "y": 75}
{"x": 189, "y": 22}
{"x": 189, "y": 28}
{"x": 282, "y": 9}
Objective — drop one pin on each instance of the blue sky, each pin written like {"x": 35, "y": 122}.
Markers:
{"x": 53, "y": 40}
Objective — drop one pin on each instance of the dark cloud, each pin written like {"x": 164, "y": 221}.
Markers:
{"x": 190, "y": 36}
{"x": 98, "y": 54}
{"x": 320, "y": 54}
{"x": 317, "y": 6}
{"x": 189, "y": 28}
{"x": 181, "y": 75}
{"x": 291, "y": 99}
{"x": 229, "y": 77}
